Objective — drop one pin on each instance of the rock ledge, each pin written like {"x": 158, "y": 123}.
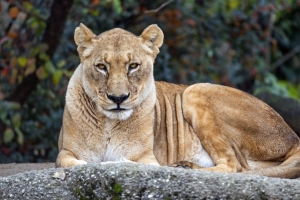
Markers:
{"x": 138, "y": 181}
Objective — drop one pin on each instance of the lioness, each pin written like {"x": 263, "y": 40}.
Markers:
{"x": 115, "y": 111}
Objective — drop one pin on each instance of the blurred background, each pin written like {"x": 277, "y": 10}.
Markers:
{"x": 251, "y": 45}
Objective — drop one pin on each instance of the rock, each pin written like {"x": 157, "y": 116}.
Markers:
{"x": 138, "y": 181}
{"x": 15, "y": 168}
{"x": 288, "y": 108}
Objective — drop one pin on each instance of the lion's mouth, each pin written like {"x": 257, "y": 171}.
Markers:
{"x": 118, "y": 113}
{"x": 117, "y": 109}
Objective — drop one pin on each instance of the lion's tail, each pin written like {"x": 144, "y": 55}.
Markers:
{"x": 290, "y": 168}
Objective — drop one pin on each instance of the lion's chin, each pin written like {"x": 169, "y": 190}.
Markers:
{"x": 117, "y": 114}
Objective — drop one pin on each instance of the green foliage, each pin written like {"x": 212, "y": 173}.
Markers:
{"x": 228, "y": 42}
{"x": 117, "y": 190}
{"x": 12, "y": 119}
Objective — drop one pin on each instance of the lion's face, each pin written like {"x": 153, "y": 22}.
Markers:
{"x": 118, "y": 68}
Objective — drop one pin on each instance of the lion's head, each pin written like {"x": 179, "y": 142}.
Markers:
{"x": 118, "y": 67}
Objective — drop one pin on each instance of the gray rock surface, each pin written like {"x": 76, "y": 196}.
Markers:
{"x": 137, "y": 181}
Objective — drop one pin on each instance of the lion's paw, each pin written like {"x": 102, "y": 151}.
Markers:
{"x": 182, "y": 164}
{"x": 81, "y": 162}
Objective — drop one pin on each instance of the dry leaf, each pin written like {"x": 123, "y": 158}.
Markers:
{"x": 13, "y": 12}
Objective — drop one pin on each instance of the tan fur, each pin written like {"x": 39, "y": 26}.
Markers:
{"x": 205, "y": 126}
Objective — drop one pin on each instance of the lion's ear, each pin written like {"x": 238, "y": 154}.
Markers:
{"x": 153, "y": 37}
{"x": 84, "y": 37}
{"x": 83, "y": 34}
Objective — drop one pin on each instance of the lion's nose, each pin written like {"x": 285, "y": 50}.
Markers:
{"x": 118, "y": 99}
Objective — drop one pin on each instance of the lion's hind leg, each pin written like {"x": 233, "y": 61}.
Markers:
{"x": 190, "y": 165}
{"x": 197, "y": 109}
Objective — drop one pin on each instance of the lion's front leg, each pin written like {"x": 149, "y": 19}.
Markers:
{"x": 67, "y": 159}
{"x": 145, "y": 158}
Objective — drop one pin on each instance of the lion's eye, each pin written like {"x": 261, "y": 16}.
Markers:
{"x": 133, "y": 66}
{"x": 101, "y": 67}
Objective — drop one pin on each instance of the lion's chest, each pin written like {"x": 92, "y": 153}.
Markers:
{"x": 105, "y": 144}
{"x": 107, "y": 150}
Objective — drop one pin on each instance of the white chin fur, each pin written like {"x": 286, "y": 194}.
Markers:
{"x": 122, "y": 115}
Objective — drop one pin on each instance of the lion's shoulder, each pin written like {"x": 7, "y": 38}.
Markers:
{"x": 169, "y": 89}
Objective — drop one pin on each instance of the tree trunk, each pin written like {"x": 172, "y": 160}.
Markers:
{"x": 54, "y": 29}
